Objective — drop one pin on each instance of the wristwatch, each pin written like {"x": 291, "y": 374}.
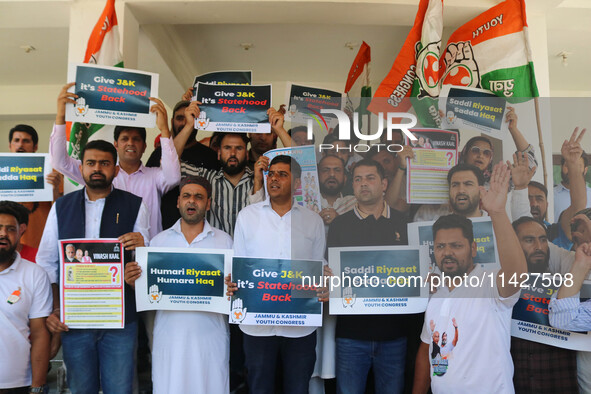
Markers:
{"x": 36, "y": 389}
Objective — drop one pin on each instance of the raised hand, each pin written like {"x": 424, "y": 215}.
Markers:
{"x": 494, "y": 199}
{"x": 161, "y": 116}
{"x": 520, "y": 171}
{"x": 571, "y": 149}
{"x": 64, "y": 98}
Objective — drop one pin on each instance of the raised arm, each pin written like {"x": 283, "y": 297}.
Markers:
{"x": 510, "y": 254}
{"x": 511, "y": 118}
{"x": 57, "y": 142}
{"x": 276, "y": 119}
{"x": 395, "y": 187}
{"x": 170, "y": 174}
{"x": 191, "y": 113}
{"x": 571, "y": 152}
{"x": 566, "y": 311}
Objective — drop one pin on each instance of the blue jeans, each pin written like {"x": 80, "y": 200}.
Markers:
{"x": 100, "y": 358}
{"x": 298, "y": 356}
{"x": 355, "y": 357}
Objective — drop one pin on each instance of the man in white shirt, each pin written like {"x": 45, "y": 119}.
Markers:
{"x": 197, "y": 339}
{"x": 480, "y": 302}
{"x": 26, "y": 302}
{"x": 278, "y": 228}
{"x": 96, "y": 358}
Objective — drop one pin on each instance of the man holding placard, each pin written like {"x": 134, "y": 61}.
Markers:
{"x": 531, "y": 357}
{"x": 477, "y": 302}
{"x": 378, "y": 341}
{"x": 182, "y": 338}
{"x": 23, "y": 138}
{"x": 278, "y": 228}
{"x": 97, "y": 211}
{"x": 148, "y": 183}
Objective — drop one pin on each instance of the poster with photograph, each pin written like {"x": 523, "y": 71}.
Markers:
{"x": 308, "y": 193}
{"x": 435, "y": 152}
{"x": 92, "y": 283}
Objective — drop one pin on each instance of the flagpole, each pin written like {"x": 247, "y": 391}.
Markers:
{"x": 541, "y": 140}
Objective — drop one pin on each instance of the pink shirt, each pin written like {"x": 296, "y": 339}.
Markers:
{"x": 147, "y": 182}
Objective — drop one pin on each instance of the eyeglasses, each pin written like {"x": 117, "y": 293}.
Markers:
{"x": 280, "y": 174}
{"x": 485, "y": 152}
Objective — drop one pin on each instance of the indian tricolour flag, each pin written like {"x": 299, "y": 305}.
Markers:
{"x": 357, "y": 88}
{"x": 415, "y": 72}
{"x": 103, "y": 49}
{"x": 492, "y": 52}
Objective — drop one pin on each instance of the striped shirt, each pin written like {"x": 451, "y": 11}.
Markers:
{"x": 226, "y": 199}
{"x": 570, "y": 314}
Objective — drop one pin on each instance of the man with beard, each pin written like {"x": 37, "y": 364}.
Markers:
{"x": 541, "y": 368}
{"x": 331, "y": 177}
{"x": 560, "y": 232}
{"x": 26, "y": 302}
{"x": 464, "y": 182}
{"x": 232, "y": 185}
{"x": 181, "y": 338}
{"x": 481, "y": 307}
{"x": 94, "y": 357}
{"x": 148, "y": 183}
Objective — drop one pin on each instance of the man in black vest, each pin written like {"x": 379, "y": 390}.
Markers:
{"x": 96, "y": 358}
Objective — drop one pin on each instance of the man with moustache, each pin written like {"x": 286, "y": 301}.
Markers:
{"x": 483, "y": 310}
{"x": 541, "y": 368}
{"x": 278, "y": 228}
{"x": 148, "y": 183}
{"x": 232, "y": 185}
{"x": 23, "y": 138}
{"x": 560, "y": 232}
{"x": 331, "y": 178}
{"x": 94, "y": 357}
{"x": 26, "y": 302}
{"x": 464, "y": 181}
{"x": 372, "y": 342}
{"x": 182, "y": 338}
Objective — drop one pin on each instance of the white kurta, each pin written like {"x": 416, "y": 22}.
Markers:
{"x": 191, "y": 351}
